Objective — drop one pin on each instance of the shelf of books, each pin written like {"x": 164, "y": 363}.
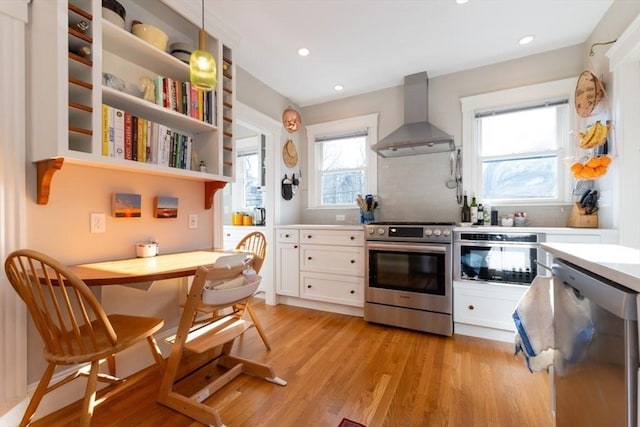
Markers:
{"x": 129, "y": 105}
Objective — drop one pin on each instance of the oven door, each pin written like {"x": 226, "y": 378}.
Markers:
{"x": 416, "y": 276}
{"x": 496, "y": 262}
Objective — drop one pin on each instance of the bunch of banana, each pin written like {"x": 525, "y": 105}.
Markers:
{"x": 595, "y": 135}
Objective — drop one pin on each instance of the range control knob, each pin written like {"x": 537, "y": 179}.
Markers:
{"x": 381, "y": 231}
{"x": 428, "y": 232}
{"x": 371, "y": 230}
{"x": 446, "y": 232}
{"x": 437, "y": 232}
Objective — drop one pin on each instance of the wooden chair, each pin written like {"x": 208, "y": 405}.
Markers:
{"x": 254, "y": 243}
{"x": 74, "y": 327}
{"x": 218, "y": 334}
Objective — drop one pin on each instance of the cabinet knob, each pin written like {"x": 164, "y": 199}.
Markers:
{"x": 353, "y": 261}
{"x": 286, "y": 235}
{"x": 309, "y": 258}
{"x": 295, "y": 246}
{"x": 352, "y": 238}
{"x": 309, "y": 286}
{"x": 352, "y": 291}
{"x": 308, "y": 236}
{"x": 471, "y": 307}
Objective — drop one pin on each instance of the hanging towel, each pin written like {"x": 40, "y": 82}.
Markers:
{"x": 533, "y": 318}
{"x": 573, "y": 325}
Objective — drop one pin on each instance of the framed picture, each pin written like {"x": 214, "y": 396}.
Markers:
{"x": 125, "y": 205}
{"x": 165, "y": 207}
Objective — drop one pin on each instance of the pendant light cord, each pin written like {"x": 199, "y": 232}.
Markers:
{"x": 203, "y": 14}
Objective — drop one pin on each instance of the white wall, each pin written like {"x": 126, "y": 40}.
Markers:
{"x": 413, "y": 188}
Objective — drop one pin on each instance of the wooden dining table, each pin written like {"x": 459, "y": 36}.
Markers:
{"x": 144, "y": 270}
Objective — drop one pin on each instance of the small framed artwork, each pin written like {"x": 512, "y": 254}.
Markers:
{"x": 165, "y": 207}
{"x": 125, "y": 205}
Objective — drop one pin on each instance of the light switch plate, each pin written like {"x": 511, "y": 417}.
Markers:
{"x": 98, "y": 222}
{"x": 193, "y": 221}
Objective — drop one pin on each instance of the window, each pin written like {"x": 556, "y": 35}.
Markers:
{"x": 515, "y": 143}
{"x": 342, "y": 163}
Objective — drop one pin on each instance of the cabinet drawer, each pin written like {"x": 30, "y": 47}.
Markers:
{"x": 490, "y": 308}
{"x": 287, "y": 235}
{"x": 333, "y": 237}
{"x": 331, "y": 288}
{"x": 332, "y": 259}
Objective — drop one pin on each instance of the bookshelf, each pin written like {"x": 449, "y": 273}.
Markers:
{"x": 66, "y": 123}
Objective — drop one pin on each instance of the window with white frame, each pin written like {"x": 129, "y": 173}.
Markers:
{"x": 341, "y": 162}
{"x": 515, "y": 143}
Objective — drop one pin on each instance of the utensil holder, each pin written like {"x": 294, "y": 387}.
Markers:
{"x": 367, "y": 217}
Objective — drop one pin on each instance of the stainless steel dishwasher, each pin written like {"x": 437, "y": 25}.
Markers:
{"x": 596, "y": 383}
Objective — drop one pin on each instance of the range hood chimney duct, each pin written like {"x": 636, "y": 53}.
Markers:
{"x": 417, "y": 135}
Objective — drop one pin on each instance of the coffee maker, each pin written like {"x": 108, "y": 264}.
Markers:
{"x": 259, "y": 216}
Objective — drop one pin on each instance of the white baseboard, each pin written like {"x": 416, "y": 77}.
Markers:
{"x": 322, "y": 306}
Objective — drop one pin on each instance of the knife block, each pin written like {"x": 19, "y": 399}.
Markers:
{"x": 579, "y": 219}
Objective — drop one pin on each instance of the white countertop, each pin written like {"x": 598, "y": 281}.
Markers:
{"x": 620, "y": 264}
{"x": 322, "y": 227}
{"x": 548, "y": 230}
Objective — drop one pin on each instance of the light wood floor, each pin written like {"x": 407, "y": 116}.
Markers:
{"x": 341, "y": 366}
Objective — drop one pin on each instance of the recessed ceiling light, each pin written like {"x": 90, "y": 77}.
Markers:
{"x": 303, "y": 51}
{"x": 461, "y": 1}
{"x": 338, "y": 88}
{"x": 526, "y": 40}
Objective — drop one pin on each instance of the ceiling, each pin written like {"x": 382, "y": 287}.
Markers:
{"x": 367, "y": 45}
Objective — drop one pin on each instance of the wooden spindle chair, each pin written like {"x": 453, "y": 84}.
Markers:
{"x": 74, "y": 328}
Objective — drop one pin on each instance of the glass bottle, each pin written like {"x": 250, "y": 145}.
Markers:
{"x": 474, "y": 211}
{"x": 466, "y": 211}
{"x": 480, "y": 214}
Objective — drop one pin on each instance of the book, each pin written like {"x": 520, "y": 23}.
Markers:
{"x": 142, "y": 140}
{"x": 200, "y": 105}
{"x": 128, "y": 136}
{"x": 152, "y": 156}
{"x": 193, "y": 106}
{"x": 118, "y": 133}
{"x": 185, "y": 98}
{"x": 134, "y": 138}
{"x": 164, "y": 145}
{"x": 106, "y": 122}
{"x": 158, "y": 82}
{"x": 147, "y": 141}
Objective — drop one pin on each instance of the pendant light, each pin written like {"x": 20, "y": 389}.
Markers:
{"x": 202, "y": 65}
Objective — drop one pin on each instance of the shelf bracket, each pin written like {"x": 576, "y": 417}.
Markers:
{"x": 46, "y": 169}
{"x": 210, "y": 188}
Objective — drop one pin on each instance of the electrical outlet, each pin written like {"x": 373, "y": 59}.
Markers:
{"x": 339, "y": 217}
{"x": 98, "y": 222}
{"x": 193, "y": 221}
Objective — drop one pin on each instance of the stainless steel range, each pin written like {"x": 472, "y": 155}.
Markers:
{"x": 409, "y": 275}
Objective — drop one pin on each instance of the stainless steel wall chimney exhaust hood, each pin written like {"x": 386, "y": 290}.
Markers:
{"x": 417, "y": 135}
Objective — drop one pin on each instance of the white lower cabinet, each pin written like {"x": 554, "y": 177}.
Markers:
{"x": 321, "y": 265}
{"x": 484, "y": 309}
{"x": 287, "y": 263}
{"x": 340, "y": 289}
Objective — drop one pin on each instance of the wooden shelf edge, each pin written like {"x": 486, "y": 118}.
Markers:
{"x": 46, "y": 169}
{"x": 210, "y": 188}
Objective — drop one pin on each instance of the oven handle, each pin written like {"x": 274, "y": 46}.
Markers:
{"x": 403, "y": 247}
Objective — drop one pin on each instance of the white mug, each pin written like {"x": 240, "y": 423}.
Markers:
{"x": 144, "y": 250}
{"x": 507, "y": 222}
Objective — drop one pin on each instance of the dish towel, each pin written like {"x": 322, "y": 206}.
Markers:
{"x": 574, "y": 328}
{"x": 533, "y": 318}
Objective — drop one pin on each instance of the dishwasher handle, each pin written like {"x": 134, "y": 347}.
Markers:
{"x": 609, "y": 295}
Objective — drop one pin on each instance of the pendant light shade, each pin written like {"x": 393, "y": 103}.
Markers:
{"x": 202, "y": 65}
